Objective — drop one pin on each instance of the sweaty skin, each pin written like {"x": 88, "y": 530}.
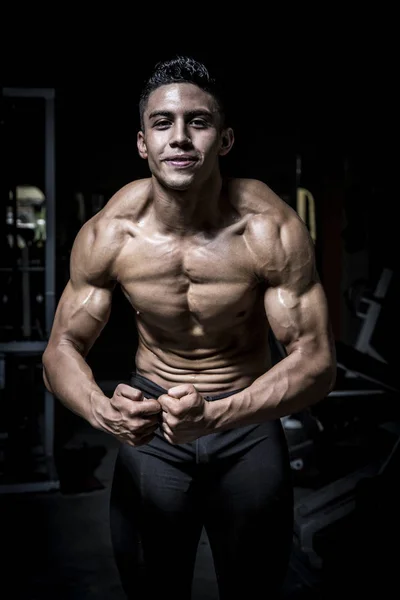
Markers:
{"x": 206, "y": 281}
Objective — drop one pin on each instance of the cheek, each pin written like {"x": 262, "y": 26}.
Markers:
{"x": 211, "y": 144}
{"x": 210, "y": 149}
{"x": 155, "y": 147}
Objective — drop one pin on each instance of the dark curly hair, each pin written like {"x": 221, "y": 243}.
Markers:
{"x": 182, "y": 69}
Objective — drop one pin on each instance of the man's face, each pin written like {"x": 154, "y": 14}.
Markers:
{"x": 182, "y": 137}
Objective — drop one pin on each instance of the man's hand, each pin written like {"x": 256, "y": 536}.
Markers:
{"x": 185, "y": 415}
{"x": 130, "y": 417}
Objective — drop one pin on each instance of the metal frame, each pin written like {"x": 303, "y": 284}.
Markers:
{"x": 326, "y": 506}
{"x": 337, "y": 499}
{"x": 32, "y": 347}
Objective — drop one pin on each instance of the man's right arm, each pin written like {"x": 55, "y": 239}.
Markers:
{"x": 81, "y": 315}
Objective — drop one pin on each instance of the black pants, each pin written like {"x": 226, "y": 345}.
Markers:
{"x": 236, "y": 483}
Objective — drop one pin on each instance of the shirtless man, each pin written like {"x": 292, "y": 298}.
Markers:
{"x": 209, "y": 266}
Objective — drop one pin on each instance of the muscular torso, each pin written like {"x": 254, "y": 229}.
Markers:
{"x": 198, "y": 302}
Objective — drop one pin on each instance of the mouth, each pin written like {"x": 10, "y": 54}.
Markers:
{"x": 181, "y": 161}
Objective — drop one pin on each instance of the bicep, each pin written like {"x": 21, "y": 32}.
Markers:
{"x": 82, "y": 313}
{"x": 85, "y": 304}
{"x": 295, "y": 300}
{"x": 299, "y": 319}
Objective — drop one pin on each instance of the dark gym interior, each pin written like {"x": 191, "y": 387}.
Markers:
{"x": 325, "y": 143}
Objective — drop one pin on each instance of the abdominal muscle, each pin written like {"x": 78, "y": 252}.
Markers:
{"x": 212, "y": 363}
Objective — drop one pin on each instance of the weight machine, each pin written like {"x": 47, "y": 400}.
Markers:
{"x": 27, "y": 275}
{"x": 363, "y": 372}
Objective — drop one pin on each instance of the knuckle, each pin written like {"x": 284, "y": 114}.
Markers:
{"x": 119, "y": 389}
{"x": 115, "y": 399}
{"x": 178, "y": 414}
{"x": 176, "y": 410}
{"x": 171, "y": 421}
{"x": 171, "y": 412}
{"x": 136, "y": 394}
{"x": 135, "y": 424}
{"x": 126, "y": 390}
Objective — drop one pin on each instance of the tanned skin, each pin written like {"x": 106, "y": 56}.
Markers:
{"x": 208, "y": 266}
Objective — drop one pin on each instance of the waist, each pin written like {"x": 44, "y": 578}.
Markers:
{"x": 152, "y": 389}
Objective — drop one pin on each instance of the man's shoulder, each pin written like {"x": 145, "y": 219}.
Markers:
{"x": 262, "y": 206}
{"x": 274, "y": 231}
{"x": 127, "y": 201}
{"x": 101, "y": 237}
{"x": 122, "y": 207}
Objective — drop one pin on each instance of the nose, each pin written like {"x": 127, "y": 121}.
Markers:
{"x": 180, "y": 135}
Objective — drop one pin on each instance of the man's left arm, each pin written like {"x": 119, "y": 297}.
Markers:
{"x": 296, "y": 308}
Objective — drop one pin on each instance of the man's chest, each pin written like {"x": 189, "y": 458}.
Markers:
{"x": 205, "y": 281}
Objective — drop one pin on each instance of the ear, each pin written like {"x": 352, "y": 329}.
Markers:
{"x": 141, "y": 145}
{"x": 227, "y": 140}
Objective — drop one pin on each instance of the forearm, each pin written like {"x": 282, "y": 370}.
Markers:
{"x": 69, "y": 378}
{"x": 294, "y": 383}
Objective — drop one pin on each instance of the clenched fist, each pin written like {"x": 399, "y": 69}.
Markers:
{"x": 128, "y": 416}
{"x": 185, "y": 415}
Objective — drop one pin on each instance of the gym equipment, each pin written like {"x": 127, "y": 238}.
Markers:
{"x": 363, "y": 360}
{"x": 23, "y": 267}
{"x": 27, "y": 432}
{"x": 364, "y": 448}
{"x": 361, "y": 372}
{"x": 334, "y": 501}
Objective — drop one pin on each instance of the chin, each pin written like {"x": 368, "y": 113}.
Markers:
{"x": 179, "y": 183}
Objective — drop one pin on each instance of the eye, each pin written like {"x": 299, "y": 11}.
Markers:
{"x": 199, "y": 123}
{"x": 161, "y": 124}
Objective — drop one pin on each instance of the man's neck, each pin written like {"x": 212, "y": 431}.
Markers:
{"x": 188, "y": 211}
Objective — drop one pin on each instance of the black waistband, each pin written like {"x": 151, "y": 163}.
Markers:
{"x": 151, "y": 388}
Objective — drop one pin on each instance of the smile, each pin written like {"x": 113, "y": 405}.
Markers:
{"x": 181, "y": 162}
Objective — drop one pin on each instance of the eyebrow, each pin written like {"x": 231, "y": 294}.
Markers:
{"x": 189, "y": 114}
